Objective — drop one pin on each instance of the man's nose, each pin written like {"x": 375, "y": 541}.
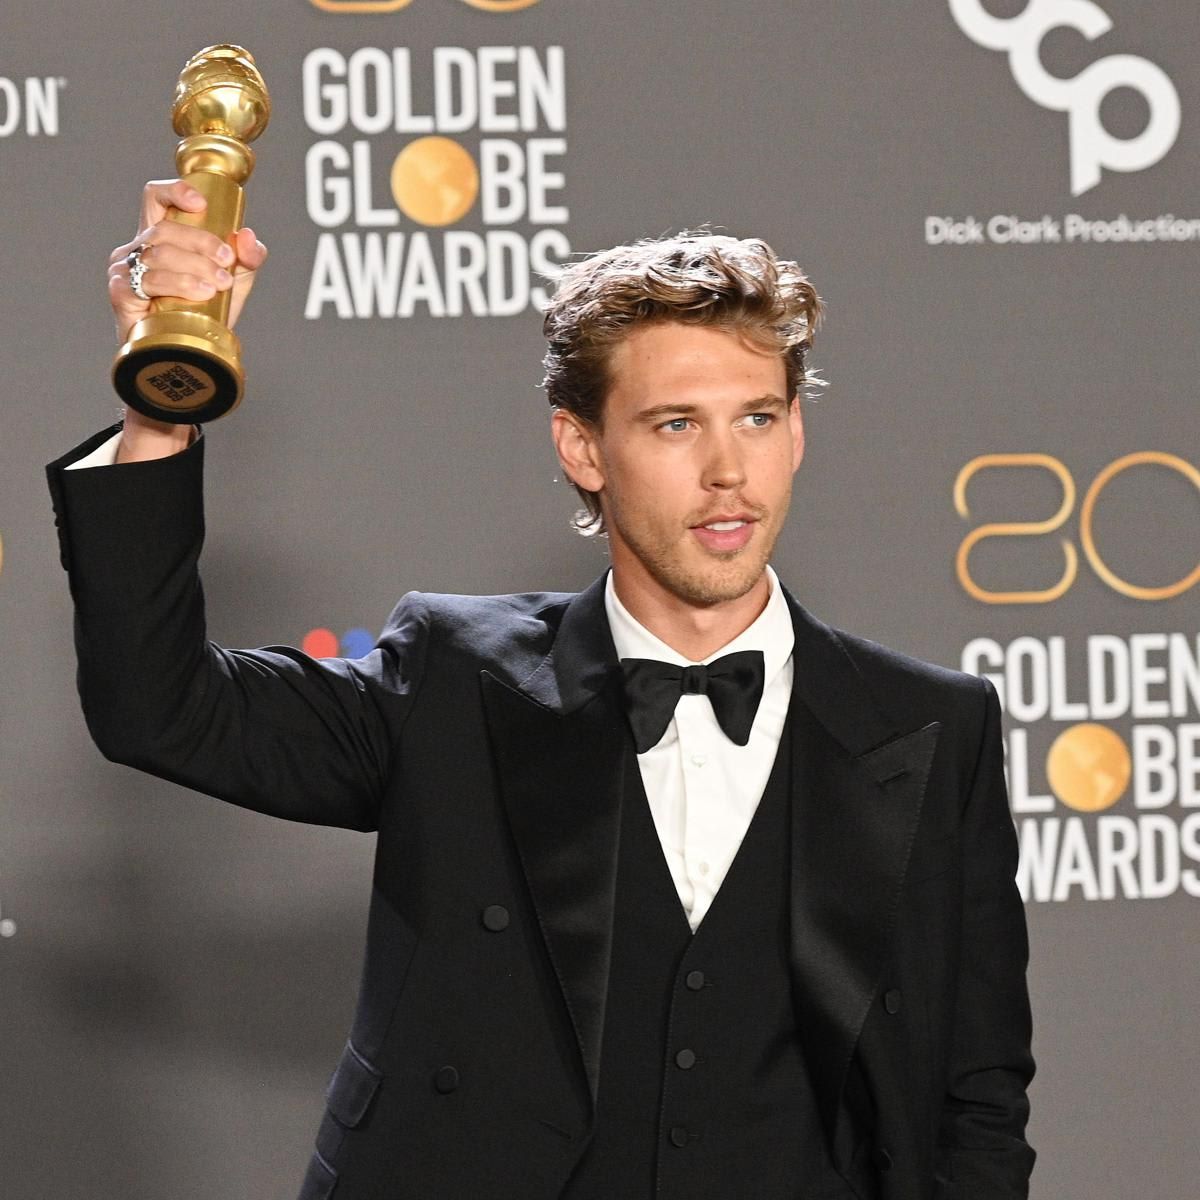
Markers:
{"x": 723, "y": 466}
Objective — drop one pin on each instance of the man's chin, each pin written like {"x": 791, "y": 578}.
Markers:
{"x": 714, "y": 585}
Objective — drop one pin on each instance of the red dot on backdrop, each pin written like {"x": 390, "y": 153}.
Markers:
{"x": 320, "y": 643}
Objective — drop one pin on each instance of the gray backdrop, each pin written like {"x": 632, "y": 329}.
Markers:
{"x": 176, "y": 977}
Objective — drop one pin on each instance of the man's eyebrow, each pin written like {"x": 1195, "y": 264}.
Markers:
{"x": 770, "y": 400}
{"x": 662, "y": 412}
{"x": 659, "y": 412}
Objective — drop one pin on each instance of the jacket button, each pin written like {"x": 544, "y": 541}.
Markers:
{"x": 694, "y": 980}
{"x": 679, "y": 1137}
{"x": 891, "y": 1000}
{"x": 685, "y": 1060}
{"x": 446, "y": 1080}
{"x": 881, "y": 1158}
{"x": 495, "y": 917}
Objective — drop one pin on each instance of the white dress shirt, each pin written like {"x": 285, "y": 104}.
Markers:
{"x": 104, "y": 455}
{"x": 702, "y": 788}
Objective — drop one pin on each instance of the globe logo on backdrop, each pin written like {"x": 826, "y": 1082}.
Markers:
{"x": 1092, "y": 147}
{"x": 436, "y": 179}
{"x": 1102, "y": 757}
{"x": 1088, "y": 767}
{"x": 1102, "y": 730}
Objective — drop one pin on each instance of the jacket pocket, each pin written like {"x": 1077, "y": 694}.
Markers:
{"x": 352, "y": 1088}
{"x": 319, "y": 1180}
{"x": 347, "y": 1099}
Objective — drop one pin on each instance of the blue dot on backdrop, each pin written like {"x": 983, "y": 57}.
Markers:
{"x": 357, "y": 642}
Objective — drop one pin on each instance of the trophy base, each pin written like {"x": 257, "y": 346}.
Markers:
{"x": 182, "y": 368}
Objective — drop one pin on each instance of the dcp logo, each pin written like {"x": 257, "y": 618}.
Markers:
{"x": 1092, "y": 146}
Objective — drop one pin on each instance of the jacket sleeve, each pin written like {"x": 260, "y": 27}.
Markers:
{"x": 272, "y": 730}
{"x": 982, "y": 1151}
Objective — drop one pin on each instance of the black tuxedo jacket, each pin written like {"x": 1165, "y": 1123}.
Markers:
{"x": 484, "y": 742}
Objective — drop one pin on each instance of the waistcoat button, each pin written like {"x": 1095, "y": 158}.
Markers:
{"x": 446, "y": 1080}
{"x": 495, "y": 917}
{"x": 685, "y": 1059}
{"x": 694, "y": 980}
{"x": 891, "y": 1000}
{"x": 679, "y": 1137}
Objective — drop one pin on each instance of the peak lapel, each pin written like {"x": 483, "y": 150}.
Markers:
{"x": 858, "y": 784}
{"x": 559, "y": 741}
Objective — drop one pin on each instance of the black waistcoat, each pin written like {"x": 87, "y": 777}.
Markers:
{"x": 703, "y": 1091}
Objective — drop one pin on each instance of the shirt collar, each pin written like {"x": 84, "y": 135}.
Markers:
{"x": 771, "y": 632}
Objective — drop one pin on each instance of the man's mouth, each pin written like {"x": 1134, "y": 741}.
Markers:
{"x": 728, "y": 520}
{"x": 726, "y": 532}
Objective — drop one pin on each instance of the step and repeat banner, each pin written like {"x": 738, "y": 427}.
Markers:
{"x": 998, "y": 201}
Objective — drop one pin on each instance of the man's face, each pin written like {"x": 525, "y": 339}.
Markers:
{"x": 694, "y": 461}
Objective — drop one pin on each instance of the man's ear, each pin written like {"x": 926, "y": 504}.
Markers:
{"x": 575, "y": 442}
{"x": 796, "y": 423}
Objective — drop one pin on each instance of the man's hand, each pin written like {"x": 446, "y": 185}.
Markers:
{"x": 183, "y": 262}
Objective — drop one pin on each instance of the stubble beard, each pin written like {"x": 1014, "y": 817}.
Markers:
{"x": 736, "y": 572}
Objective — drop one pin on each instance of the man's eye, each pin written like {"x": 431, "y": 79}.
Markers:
{"x": 761, "y": 420}
{"x": 678, "y": 425}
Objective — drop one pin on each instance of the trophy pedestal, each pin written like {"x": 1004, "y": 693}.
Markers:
{"x": 180, "y": 367}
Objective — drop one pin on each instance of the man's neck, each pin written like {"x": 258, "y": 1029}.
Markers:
{"x": 693, "y": 630}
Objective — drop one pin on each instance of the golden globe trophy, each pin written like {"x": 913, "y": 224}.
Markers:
{"x": 182, "y": 363}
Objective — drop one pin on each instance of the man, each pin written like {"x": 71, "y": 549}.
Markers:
{"x": 640, "y": 926}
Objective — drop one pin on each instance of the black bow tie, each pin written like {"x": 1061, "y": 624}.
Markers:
{"x": 733, "y": 684}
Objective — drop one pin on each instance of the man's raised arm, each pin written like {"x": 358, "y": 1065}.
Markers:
{"x": 272, "y": 730}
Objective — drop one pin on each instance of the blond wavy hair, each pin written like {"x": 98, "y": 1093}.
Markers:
{"x": 696, "y": 278}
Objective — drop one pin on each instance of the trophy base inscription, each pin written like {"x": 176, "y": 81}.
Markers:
{"x": 180, "y": 367}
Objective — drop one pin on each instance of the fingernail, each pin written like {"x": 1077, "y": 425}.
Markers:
{"x": 225, "y": 255}
{"x": 206, "y": 288}
{"x": 224, "y": 278}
